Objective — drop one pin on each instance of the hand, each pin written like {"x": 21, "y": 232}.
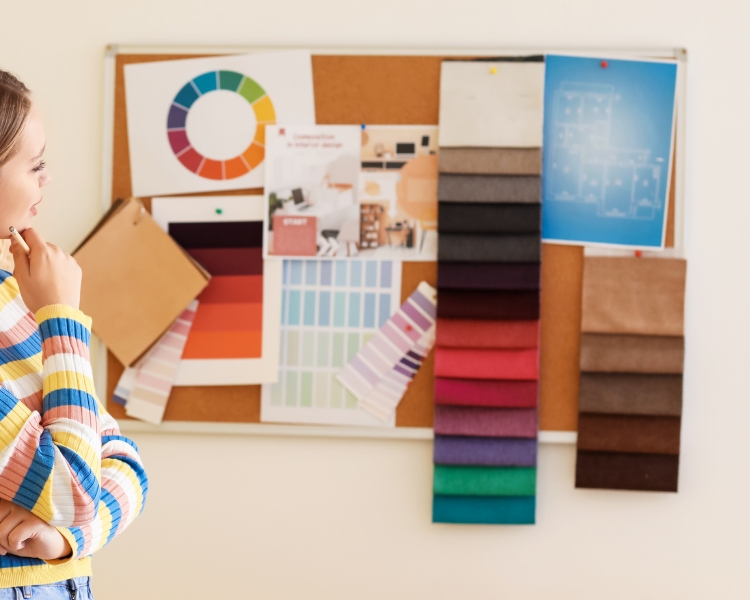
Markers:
{"x": 24, "y": 534}
{"x": 47, "y": 275}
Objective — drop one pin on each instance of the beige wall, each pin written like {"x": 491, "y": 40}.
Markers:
{"x": 234, "y": 517}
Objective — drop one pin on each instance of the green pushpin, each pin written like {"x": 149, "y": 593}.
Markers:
{"x": 219, "y": 211}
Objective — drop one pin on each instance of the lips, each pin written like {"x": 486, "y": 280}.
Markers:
{"x": 33, "y": 210}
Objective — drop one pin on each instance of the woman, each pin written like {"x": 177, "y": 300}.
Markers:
{"x": 69, "y": 482}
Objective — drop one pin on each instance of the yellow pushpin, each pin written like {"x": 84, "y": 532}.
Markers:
{"x": 493, "y": 70}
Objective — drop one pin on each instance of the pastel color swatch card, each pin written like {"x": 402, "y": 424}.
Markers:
{"x": 330, "y": 310}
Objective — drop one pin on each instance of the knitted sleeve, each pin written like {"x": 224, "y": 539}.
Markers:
{"x": 68, "y": 460}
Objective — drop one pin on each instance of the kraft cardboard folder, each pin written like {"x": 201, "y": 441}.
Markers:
{"x": 136, "y": 280}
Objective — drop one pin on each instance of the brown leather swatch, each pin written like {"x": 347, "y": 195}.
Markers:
{"x": 633, "y": 295}
{"x": 603, "y": 353}
{"x": 491, "y": 161}
{"x": 616, "y": 471}
{"x": 630, "y": 394}
{"x": 626, "y": 433}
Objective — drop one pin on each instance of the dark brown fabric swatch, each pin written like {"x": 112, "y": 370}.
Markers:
{"x": 491, "y": 161}
{"x": 620, "y": 471}
{"x": 631, "y": 394}
{"x": 471, "y": 304}
{"x": 489, "y": 276}
{"x": 484, "y": 217}
{"x": 465, "y": 247}
{"x": 627, "y": 433}
{"x": 490, "y": 188}
{"x": 605, "y": 353}
{"x": 643, "y": 296}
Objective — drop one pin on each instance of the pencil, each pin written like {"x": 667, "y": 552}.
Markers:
{"x": 20, "y": 240}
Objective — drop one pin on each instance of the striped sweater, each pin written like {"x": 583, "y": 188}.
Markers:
{"x": 61, "y": 454}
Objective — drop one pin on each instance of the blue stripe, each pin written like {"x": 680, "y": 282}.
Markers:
{"x": 114, "y": 508}
{"x": 83, "y": 472}
{"x": 7, "y": 402}
{"x": 119, "y": 438}
{"x": 10, "y": 561}
{"x": 21, "y": 351}
{"x": 138, "y": 470}
{"x": 38, "y": 474}
{"x": 4, "y": 275}
{"x": 78, "y": 535}
{"x": 70, "y": 397}
{"x": 61, "y": 326}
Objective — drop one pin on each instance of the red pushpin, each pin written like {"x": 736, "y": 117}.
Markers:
{"x": 604, "y": 64}
{"x": 408, "y": 328}
{"x": 638, "y": 253}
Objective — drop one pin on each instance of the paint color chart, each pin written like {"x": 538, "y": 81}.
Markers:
{"x": 330, "y": 310}
{"x": 234, "y": 338}
{"x": 632, "y": 352}
{"x": 487, "y": 333}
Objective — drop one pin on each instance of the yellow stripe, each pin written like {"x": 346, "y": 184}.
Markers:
{"x": 8, "y": 292}
{"x": 12, "y": 423}
{"x": 43, "y": 507}
{"x": 62, "y": 311}
{"x": 63, "y": 380}
{"x": 23, "y": 367}
{"x": 81, "y": 447}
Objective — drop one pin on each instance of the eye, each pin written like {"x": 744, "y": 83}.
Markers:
{"x": 40, "y": 167}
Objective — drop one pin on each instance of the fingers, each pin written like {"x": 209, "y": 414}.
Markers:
{"x": 8, "y": 524}
{"x": 20, "y": 259}
{"x": 20, "y": 533}
{"x": 33, "y": 239}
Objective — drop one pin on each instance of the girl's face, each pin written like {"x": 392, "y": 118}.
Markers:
{"x": 22, "y": 177}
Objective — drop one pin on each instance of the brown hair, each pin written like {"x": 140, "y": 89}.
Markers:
{"x": 15, "y": 105}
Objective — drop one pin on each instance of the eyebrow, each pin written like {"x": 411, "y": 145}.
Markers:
{"x": 38, "y": 156}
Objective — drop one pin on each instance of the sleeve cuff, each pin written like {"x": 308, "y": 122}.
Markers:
{"x": 68, "y": 535}
{"x": 62, "y": 311}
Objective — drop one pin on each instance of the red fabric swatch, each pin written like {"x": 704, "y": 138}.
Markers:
{"x": 466, "y": 333}
{"x": 487, "y": 364}
{"x": 483, "y": 392}
{"x": 489, "y": 422}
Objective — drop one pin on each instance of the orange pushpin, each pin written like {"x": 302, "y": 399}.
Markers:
{"x": 604, "y": 64}
{"x": 638, "y": 253}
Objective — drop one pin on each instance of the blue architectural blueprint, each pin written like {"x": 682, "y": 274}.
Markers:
{"x": 608, "y": 131}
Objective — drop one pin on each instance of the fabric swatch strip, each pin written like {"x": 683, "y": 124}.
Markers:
{"x": 632, "y": 351}
{"x": 380, "y": 372}
{"x": 489, "y": 254}
{"x": 145, "y": 388}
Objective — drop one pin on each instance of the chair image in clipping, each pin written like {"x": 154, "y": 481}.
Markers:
{"x": 417, "y": 192}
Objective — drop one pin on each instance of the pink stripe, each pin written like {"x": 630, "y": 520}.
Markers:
{"x": 390, "y": 331}
{"x": 180, "y": 329}
{"x": 155, "y": 382}
{"x": 171, "y": 342}
{"x": 405, "y": 327}
{"x": 377, "y": 362}
{"x": 168, "y": 354}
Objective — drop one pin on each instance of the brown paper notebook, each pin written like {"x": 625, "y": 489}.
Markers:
{"x": 136, "y": 280}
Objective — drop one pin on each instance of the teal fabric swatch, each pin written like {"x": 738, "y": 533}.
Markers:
{"x": 484, "y": 510}
{"x": 484, "y": 481}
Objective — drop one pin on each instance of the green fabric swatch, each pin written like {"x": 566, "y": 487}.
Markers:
{"x": 484, "y": 481}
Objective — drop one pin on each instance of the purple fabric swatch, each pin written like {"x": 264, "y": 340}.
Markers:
{"x": 486, "y": 451}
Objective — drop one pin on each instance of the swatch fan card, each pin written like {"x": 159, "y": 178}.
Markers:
{"x": 198, "y": 125}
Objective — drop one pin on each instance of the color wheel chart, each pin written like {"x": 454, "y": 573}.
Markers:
{"x": 201, "y": 85}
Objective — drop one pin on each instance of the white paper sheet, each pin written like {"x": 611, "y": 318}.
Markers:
{"x": 219, "y": 117}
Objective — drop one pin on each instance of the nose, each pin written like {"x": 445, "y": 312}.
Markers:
{"x": 45, "y": 178}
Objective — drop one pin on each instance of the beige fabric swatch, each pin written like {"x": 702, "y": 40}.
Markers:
{"x": 643, "y": 296}
{"x": 631, "y": 394}
{"x": 491, "y": 161}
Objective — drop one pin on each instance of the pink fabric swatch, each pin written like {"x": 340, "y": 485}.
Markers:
{"x": 478, "y": 392}
{"x": 487, "y": 364}
{"x": 490, "y": 422}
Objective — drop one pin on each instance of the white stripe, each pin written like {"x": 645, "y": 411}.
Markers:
{"x": 67, "y": 362}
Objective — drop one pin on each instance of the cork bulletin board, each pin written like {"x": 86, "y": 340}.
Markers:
{"x": 382, "y": 89}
